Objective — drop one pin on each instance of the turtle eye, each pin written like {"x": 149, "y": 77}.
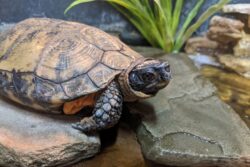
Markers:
{"x": 148, "y": 77}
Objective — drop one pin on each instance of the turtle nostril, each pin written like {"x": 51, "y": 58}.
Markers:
{"x": 167, "y": 76}
{"x": 167, "y": 68}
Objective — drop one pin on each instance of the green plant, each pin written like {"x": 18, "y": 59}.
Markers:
{"x": 158, "y": 20}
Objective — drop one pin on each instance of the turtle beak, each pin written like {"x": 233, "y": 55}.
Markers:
{"x": 165, "y": 72}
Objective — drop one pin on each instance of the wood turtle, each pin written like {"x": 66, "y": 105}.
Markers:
{"x": 62, "y": 67}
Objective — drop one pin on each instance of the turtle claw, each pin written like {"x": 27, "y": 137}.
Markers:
{"x": 78, "y": 126}
{"x": 106, "y": 113}
{"x": 86, "y": 125}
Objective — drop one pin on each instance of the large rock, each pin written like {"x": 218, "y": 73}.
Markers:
{"x": 29, "y": 138}
{"x": 222, "y": 35}
{"x": 225, "y": 30}
{"x": 186, "y": 124}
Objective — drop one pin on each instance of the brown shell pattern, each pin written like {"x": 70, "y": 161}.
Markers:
{"x": 56, "y": 61}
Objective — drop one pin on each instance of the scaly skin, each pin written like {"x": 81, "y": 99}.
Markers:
{"x": 106, "y": 113}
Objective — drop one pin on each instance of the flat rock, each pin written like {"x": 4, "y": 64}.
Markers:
{"x": 186, "y": 124}
{"x": 29, "y": 138}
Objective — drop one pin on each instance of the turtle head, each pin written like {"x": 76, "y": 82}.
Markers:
{"x": 150, "y": 76}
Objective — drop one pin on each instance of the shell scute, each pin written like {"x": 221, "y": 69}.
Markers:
{"x": 101, "y": 75}
{"x": 116, "y": 60}
{"x": 76, "y": 87}
{"x": 100, "y": 39}
{"x": 67, "y": 57}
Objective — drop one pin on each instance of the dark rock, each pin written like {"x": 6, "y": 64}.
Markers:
{"x": 30, "y": 138}
{"x": 186, "y": 124}
{"x": 99, "y": 14}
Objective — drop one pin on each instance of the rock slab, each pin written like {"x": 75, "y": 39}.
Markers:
{"x": 186, "y": 124}
{"x": 29, "y": 138}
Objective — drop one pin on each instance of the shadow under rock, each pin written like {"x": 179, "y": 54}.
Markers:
{"x": 142, "y": 111}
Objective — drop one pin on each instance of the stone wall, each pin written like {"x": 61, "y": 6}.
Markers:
{"x": 99, "y": 14}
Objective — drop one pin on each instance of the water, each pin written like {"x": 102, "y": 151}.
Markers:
{"x": 232, "y": 88}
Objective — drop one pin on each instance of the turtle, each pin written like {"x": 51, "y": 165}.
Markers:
{"x": 60, "y": 66}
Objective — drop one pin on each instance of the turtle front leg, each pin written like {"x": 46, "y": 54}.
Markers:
{"x": 106, "y": 113}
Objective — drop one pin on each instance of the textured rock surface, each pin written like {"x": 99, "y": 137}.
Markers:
{"x": 242, "y": 49}
{"x": 231, "y": 24}
{"x": 225, "y": 30}
{"x": 222, "y": 35}
{"x": 124, "y": 150}
{"x": 34, "y": 139}
{"x": 98, "y": 14}
{"x": 201, "y": 45}
{"x": 240, "y": 65}
{"x": 187, "y": 124}
{"x": 240, "y": 10}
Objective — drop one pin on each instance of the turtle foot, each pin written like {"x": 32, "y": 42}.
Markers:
{"x": 106, "y": 113}
{"x": 86, "y": 125}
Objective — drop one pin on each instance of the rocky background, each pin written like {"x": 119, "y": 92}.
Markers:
{"x": 99, "y": 14}
{"x": 225, "y": 47}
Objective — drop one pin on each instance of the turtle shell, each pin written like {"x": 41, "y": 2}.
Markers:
{"x": 46, "y": 62}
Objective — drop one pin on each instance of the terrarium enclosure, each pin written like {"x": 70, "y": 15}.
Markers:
{"x": 200, "y": 117}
